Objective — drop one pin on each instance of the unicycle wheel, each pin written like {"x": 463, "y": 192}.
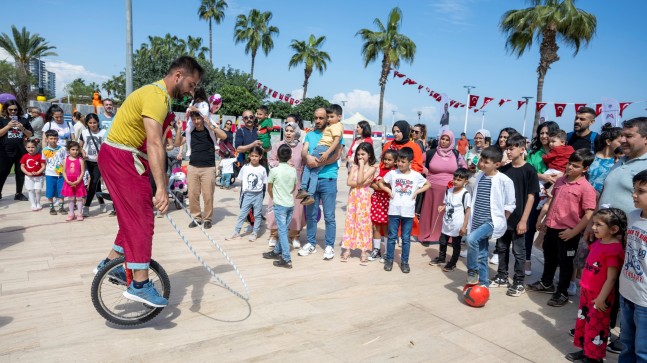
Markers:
{"x": 108, "y": 294}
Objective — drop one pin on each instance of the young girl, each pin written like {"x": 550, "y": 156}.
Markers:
{"x": 598, "y": 281}
{"x": 90, "y": 142}
{"x": 253, "y": 177}
{"x": 74, "y": 189}
{"x": 357, "y": 233}
{"x": 605, "y": 146}
{"x": 380, "y": 204}
{"x": 33, "y": 165}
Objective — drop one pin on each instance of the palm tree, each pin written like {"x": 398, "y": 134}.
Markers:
{"x": 393, "y": 46}
{"x": 546, "y": 21}
{"x": 195, "y": 48}
{"x": 212, "y": 10}
{"x": 23, "y": 48}
{"x": 308, "y": 52}
{"x": 255, "y": 29}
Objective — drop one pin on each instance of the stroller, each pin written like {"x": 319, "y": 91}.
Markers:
{"x": 178, "y": 186}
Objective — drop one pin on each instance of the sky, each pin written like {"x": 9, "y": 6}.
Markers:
{"x": 458, "y": 43}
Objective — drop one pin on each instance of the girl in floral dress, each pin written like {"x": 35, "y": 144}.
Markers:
{"x": 380, "y": 204}
{"x": 357, "y": 232}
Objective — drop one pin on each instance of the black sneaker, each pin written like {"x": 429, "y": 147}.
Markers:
{"x": 404, "y": 266}
{"x": 193, "y": 224}
{"x": 449, "y": 268}
{"x": 425, "y": 244}
{"x": 516, "y": 290}
{"x": 499, "y": 282}
{"x": 388, "y": 265}
{"x": 375, "y": 254}
{"x": 20, "y": 197}
{"x": 282, "y": 263}
{"x": 61, "y": 209}
{"x": 437, "y": 261}
{"x": 579, "y": 355}
{"x": 271, "y": 255}
{"x": 207, "y": 224}
{"x": 113, "y": 213}
{"x": 571, "y": 332}
{"x": 540, "y": 287}
{"x": 558, "y": 300}
{"x": 52, "y": 211}
{"x": 615, "y": 347}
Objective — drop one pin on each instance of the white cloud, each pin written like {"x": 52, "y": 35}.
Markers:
{"x": 453, "y": 12}
{"x": 67, "y": 72}
{"x": 367, "y": 104}
{"x": 5, "y": 56}
{"x": 297, "y": 94}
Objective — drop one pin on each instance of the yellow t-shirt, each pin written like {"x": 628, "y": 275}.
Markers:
{"x": 330, "y": 132}
{"x": 128, "y": 125}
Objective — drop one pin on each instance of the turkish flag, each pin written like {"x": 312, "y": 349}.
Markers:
{"x": 281, "y": 96}
{"x": 264, "y": 89}
{"x": 476, "y": 110}
{"x": 598, "y": 109}
{"x": 503, "y": 100}
{"x": 409, "y": 81}
{"x": 438, "y": 97}
{"x": 269, "y": 92}
{"x": 397, "y": 74}
{"x": 520, "y": 103}
{"x": 296, "y": 102}
{"x": 559, "y": 109}
{"x": 623, "y": 105}
{"x": 578, "y": 106}
{"x": 452, "y": 103}
{"x": 428, "y": 89}
{"x": 419, "y": 88}
{"x": 473, "y": 100}
{"x": 259, "y": 85}
{"x": 486, "y": 100}
{"x": 274, "y": 94}
{"x": 540, "y": 105}
{"x": 291, "y": 101}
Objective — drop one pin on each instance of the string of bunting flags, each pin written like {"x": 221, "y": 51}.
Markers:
{"x": 474, "y": 100}
{"x": 276, "y": 94}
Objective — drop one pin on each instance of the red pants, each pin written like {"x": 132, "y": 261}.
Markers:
{"x": 592, "y": 326}
{"x": 132, "y": 197}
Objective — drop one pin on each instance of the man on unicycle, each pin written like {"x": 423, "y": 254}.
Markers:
{"x": 133, "y": 151}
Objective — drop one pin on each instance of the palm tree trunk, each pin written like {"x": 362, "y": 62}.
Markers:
{"x": 253, "y": 57}
{"x": 305, "y": 81}
{"x": 540, "y": 97}
{"x": 210, "y": 44}
{"x": 547, "y": 56}
{"x": 383, "y": 77}
{"x": 379, "y": 120}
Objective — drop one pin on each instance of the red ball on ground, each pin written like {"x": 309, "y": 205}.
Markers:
{"x": 475, "y": 295}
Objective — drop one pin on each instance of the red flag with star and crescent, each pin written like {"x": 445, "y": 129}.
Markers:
{"x": 540, "y": 105}
{"x": 397, "y": 74}
{"x": 559, "y": 109}
{"x": 473, "y": 100}
{"x": 578, "y": 106}
{"x": 598, "y": 109}
{"x": 502, "y": 101}
{"x": 409, "y": 81}
{"x": 623, "y": 105}
{"x": 486, "y": 100}
{"x": 520, "y": 103}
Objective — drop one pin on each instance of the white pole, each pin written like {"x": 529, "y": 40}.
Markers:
{"x": 525, "y": 114}
{"x": 483, "y": 119}
{"x": 467, "y": 106}
{"x": 129, "y": 47}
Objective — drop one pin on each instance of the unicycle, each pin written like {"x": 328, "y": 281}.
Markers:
{"x": 108, "y": 289}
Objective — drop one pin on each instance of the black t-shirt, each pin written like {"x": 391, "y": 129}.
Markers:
{"x": 203, "y": 151}
{"x": 13, "y": 141}
{"x": 578, "y": 142}
{"x": 525, "y": 182}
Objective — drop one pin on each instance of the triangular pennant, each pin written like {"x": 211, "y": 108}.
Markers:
{"x": 578, "y": 106}
{"x": 397, "y": 74}
{"x": 623, "y": 105}
{"x": 452, "y": 103}
{"x": 520, "y": 103}
{"x": 473, "y": 100}
{"x": 409, "y": 81}
{"x": 419, "y": 88}
{"x": 259, "y": 85}
{"x": 598, "y": 109}
{"x": 291, "y": 101}
{"x": 502, "y": 101}
{"x": 486, "y": 100}
{"x": 476, "y": 110}
{"x": 281, "y": 96}
{"x": 540, "y": 105}
{"x": 274, "y": 94}
{"x": 559, "y": 109}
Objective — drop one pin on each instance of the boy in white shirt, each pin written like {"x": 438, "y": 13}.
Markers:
{"x": 227, "y": 166}
{"x": 402, "y": 185}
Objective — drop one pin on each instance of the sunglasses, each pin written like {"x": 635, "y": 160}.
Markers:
{"x": 415, "y": 131}
{"x": 12, "y": 109}
{"x": 228, "y": 124}
{"x": 248, "y": 117}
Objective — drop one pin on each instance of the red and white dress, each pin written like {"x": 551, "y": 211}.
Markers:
{"x": 380, "y": 202}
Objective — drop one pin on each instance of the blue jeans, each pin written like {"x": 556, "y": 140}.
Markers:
{"x": 327, "y": 193}
{"x": 633, "y": 334}
{"x": 395, "y": 222}
{"x": 250, "y": 200}
{"x": 310, "y": 176}
{"x": 226, "y": 180}
{"x": 477, "y": 252}
{"x": 283, "y": 216}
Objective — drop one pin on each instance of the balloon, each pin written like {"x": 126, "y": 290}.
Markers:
{"x": 215, "y": 102}
{"x": 6, "y": 97}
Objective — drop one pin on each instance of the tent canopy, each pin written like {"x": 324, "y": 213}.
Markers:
{"x": 357, "y": 117}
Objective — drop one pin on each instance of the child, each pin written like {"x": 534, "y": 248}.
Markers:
{"x": 402, "y": 185}
{"x": 326, "y": 146}
{"x": 456, "y": 207}
{"x": 253, "y": 178}
{"x": 33, "y": 166}
{"x": 598, "y": 282}
{"x": 633, "y": 285}
{"x": 526, "y": 185}
{"x": 74, "y": 189}
{"x": 557, "y": 157}
{"x": 380, "y": 203}
{"x": 357, "y": 233}
{"x": 54, "y": 156}
{"x": 567, "y": 213}
{"x": 265, "y": 127}
{"x": 492, "y": 203}
{"x": 227, "y": 166}
{"x": 280, "y": 186}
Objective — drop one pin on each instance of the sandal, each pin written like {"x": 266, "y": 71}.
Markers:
{"x": 344, "y": 257}
{"x": 363, "y": 259}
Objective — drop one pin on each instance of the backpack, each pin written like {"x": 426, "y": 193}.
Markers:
{"x": 592, "y": 136}
{"x": 462, "y": 199}
{"x": 431, "y": 152}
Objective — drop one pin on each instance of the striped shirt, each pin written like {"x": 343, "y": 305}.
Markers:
{"x": 482, "y": 213}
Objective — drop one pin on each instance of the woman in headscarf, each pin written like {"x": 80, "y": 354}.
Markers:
{"x": 291, "y": 137}
{"x": 482, "y": 138}
{"x": 444, "y": 161}
{"x": 401, "y": 131}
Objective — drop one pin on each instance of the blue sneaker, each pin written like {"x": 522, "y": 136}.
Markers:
{"x": 147, "y": 295}
{"x": 117, "y": 275}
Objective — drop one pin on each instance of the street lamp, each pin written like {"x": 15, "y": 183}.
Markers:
{"x": 525, "y": 113}
{"x": 483, "y": 119}
{"x": 343, "y": 104}
{"x": 467, "y": 105}
{"x": 419, "y": 114}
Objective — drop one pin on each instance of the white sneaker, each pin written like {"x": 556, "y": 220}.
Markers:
{"x": 572, "y": 289}
{"x": 86, "y": 212}
{"x": 232, "y": 236}
{"x": 307, "y": 249}
{"x": 271, "y": 242}
{"x": 296, "y": 244}
{"x": 463, "y": 253}
{"x": 102, "y": 208}
{"x": 329, "y": 253}
{"x": 252, "y": 237}
{"x": 495, "y": 259}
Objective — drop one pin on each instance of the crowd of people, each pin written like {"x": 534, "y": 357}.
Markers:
{"x": 579, "y": 196}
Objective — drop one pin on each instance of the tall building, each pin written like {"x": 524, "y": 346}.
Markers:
{"x": 44, "y": 78}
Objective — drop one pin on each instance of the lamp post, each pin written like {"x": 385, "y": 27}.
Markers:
{"x": 343, "y": 109}
{"x": 129, "y": 47}
{"x": 483, "y": 119}
{"x": 419, "y": 114}
{"x": 467, "y": 106}
{"x": 525, "y": 113}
